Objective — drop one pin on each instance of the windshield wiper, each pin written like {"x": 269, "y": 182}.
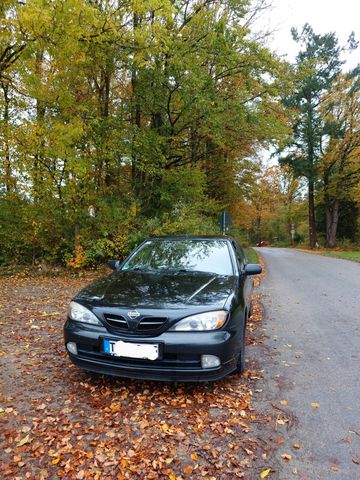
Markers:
{"x": 197, "y": 272}
{"x": 140, "y": 269}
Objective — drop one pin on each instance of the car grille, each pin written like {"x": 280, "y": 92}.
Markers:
{"x": 150, "y": 324}
{"x": 117, "y": 321}
{"x": 168, "y": 360}
{"x": 147, "y": 325}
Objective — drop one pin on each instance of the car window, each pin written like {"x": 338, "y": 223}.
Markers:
{"x": 210, "y": 256}
{"x": 240, "y": 256}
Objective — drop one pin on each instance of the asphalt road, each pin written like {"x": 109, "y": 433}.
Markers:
{"x": 312, "y": 356}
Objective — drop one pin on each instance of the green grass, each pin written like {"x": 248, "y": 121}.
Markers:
{"x": 354, "y": 256}
{"x": 251, "y": 255}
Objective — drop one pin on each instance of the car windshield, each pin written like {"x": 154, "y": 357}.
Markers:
{"x": 210, "y": 256}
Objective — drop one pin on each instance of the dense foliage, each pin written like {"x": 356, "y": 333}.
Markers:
{"x": 124, "y": 119}
{"x": 120, "y": 120}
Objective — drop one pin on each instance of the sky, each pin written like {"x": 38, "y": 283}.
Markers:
{"x": 341, "y": 16}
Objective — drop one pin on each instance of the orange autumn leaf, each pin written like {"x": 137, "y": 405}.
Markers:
{"x": 188, "y": 469}
{"x": 286, "y": 457}
{"x": 56, "y": 460}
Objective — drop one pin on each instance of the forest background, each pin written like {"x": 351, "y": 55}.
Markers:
{"x": 126, "y": 119}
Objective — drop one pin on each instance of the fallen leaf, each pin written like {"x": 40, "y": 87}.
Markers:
{"x": 265, "y": 473}
{"x": 194, "y": 457}
{"x": 56, "y": 460}
{"x": 283, "y": 402}
{"x": 286, "y": 457}
{"x": 296, "y": 445}
{"x": 188, "y": 469}
{"x": 315, "y": 405}
{"x": 279, "y": 440}
{"x": 334, "y": 468}
{"x": 24, "y": 440}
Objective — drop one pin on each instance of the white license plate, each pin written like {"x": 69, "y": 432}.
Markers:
{"x": 147, "y": 351}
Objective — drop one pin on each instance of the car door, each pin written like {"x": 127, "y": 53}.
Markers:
{"x": 245, "y": 282}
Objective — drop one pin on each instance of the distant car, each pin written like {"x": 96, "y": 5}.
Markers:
{"x": 263, "y": 243}
{"x": 175, "y": 309}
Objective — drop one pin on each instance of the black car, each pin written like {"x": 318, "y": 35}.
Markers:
{"x": 175, "y": 309}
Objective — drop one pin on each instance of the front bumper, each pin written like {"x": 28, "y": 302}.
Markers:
{"x": 180, "y": 358}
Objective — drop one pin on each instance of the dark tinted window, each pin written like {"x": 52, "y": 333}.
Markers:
{"x": 190, "y": 255}
{"x": 239, "y": 252}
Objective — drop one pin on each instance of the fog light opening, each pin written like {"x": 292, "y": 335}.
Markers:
{"x": 210, "y": 361}
{"x": 72, "y": 348}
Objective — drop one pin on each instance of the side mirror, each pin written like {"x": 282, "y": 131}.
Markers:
{"x": 113, "y": 264}
{"x": 252, "y": 269}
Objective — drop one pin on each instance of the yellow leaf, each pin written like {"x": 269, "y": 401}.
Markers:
{"x": 265, "y": 473}
{"x": 164, "y": 427}
{"x": 24, "y": 440}
{"x": 56, "y": 460}
{"x": 315, "y": 405}
{"x": 194, "y": 456}
{"x": 283, "y": 402}
{"x": 172, "y": 476}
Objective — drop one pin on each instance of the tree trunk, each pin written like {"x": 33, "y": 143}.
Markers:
{"x": 312, "y": 223}
{"x": 136, "y": 171}
{"x": 9, "y": 181}
{"x": 332, "y": 219}
{"x": 37, "y": 174}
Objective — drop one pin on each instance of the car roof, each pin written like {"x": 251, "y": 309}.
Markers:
{"x": 192, "y": 237}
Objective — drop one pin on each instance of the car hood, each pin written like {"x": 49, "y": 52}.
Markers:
{"x": 152, "y": 290}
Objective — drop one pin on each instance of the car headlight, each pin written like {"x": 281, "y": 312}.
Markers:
{"x": 81, "y": 314}
{"x": 201, "y": 322}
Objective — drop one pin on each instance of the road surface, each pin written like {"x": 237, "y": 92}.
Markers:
{"x": 312, "y": 364}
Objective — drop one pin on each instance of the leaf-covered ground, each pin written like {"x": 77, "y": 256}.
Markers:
{"x": 59, "y": 422}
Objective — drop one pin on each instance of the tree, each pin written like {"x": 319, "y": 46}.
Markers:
{"x": 318, "y": 64}
{"x": 147, "y": 111}
{"x": 340, "y": 164}
{"x": 12, "y": 46}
